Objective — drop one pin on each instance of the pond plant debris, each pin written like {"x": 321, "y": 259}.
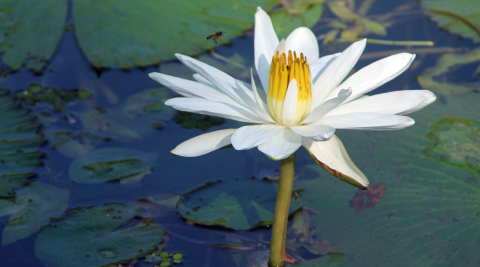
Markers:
{"x": 302, "y": 103}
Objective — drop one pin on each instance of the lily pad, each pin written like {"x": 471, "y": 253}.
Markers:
{"x": 76, "y": 145}
{"x": 457, "y": 142}
{"x": 437, "y": 78}
{"x": 237, "y": 204}
{"x": 296, "y": 14}
{"x": 111, "y": 164}
{"x": 18, "y": 145}
{"x": 32, "y": 208}
{"x": 427, "y": 215}
{"x": 192, "y": 120}
{"x": 461, "y": 16}
{"x": 30, "y": 31}
{"x": 98, "y": 236}
{"x": 112, "y": 36}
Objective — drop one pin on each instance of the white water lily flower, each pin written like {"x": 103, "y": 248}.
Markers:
{"x": 303, "y": 100}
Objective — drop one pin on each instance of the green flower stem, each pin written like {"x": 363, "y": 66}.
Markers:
{"x": 280, "y": 217}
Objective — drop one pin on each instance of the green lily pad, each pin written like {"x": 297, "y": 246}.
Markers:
{"x": 193, "y": 120}
{"x": 32, "y": 208}
{"x": 296, "y": 14}
{"x": 18, "y": 145}
{"x": 462, "y": 16}
{"x": 457, "y": 142}
{"x": 428, "y": 213}
{"x": 436, "y": 78}
{"x": 98, "y": 236}
{"x": 112, "y": 36}
{"x": 54, "y": 97}
{"x": 237, "y": 204}
{"x": 111, "y": 164}
{"x": 30, "y": 31}
{"x": 76, "y": 145}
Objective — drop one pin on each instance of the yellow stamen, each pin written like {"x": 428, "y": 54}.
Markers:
{"x": 283, "y": 69}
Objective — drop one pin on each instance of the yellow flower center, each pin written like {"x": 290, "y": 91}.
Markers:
{"x": 281, "y": 73}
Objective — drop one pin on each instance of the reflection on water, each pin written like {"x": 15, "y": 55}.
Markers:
{"x": 112, "y": 147}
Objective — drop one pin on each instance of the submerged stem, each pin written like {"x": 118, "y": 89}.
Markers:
{"x": 280, "y": 217}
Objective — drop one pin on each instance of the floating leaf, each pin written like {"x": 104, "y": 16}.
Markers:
{"x": 97, "y": 236}
{"x": 18, "y": 145}
{"x": 30, "y": 31}
{"x": 428, "y": 214}
{"x": 112, "y": 36}
{"x": 76, "y": 145}
{"x": 445, "y": 68}
{"x": 457, "y": 142}
{"x": 111, "y": 164}
{"x": 54, "y": 97}
{"x": 238, "y": 204}
{"x": 193, "y": 120}
{"x": 461, "y": 16}
{"x": 296, "y": 14}
{"x": 32, "y": 207}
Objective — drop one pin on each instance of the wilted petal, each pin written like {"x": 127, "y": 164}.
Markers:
{"x": 375, "y": 75}
{"x": 367, "y": 121}
{"x": 314, "y": 132}
{"x": 205, "y": 143}
{"x": 247, "y": 137}
{"x": 336, "y": 72}
{"x": 332, "y": 156}
{"x": 398, "y": 102}
{"x": 302, "y": 40}
{"x": 282, "y": 146}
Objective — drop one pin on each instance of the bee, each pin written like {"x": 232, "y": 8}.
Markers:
{"x": 215, "y": 36}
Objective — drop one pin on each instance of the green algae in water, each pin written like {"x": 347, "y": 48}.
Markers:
{"x": 457, "y": 142}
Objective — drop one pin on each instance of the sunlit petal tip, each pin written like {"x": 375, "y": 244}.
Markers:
{"x": 281, "y": 47}
{"x": 303, "y": 40}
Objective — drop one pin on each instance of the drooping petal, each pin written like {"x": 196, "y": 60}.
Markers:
{"x": 282, "y": 146}
{"x": 205, "y": 143}
{"x": 336, "y": 72}
{"x": 265, "y": 43}
{"x": 220, "y": 79}
{"x": 332, "y": 156}
{"x": 251, "y": 136}
{"x": 398, "y": 102}
{"x": 212, "y": 108}
{"x": 289, "y": 111}
{"x": 318, "y": 66}
{"x": 375, "y": 75}
{"x": 318, "y": 132}
{"x": 327, "y": 106}
{"x": 302, "y": 40}
{"x": 367, "y": 121}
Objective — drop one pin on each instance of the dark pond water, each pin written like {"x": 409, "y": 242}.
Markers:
{"x": 428, "y": 215}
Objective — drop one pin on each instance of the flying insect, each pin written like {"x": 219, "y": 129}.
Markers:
{"x": 215, "y": 36}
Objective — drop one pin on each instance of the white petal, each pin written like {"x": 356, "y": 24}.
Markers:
{"x": 367, "y": 121}
{"x": 220, "y": 79}
{"x": 251, "y": 136}
{"x": 302, "y": 40}
{"x": 336, "y": 72}
{"x": 327, "y": 106}
{"x": 332, "y": 156}
{"x": 199, "y": 78}
{"x": 315, "y": 132}
{"x": 280, "y": 48}
{"x": 289, "y": 111}
{"x": 266, "y": 41}
{"x": 398, "y": 102}
{"x": 191, "y": 88}
{"x": 318, "y": 66}
{"x": 205, "y": 143}
{"x": 260, "y": 96}
{"x": 254, "y": 106}
{"x": 375, "y": 75}
{"x": 282, "y": 146}
{"x": 212, "y": 108}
